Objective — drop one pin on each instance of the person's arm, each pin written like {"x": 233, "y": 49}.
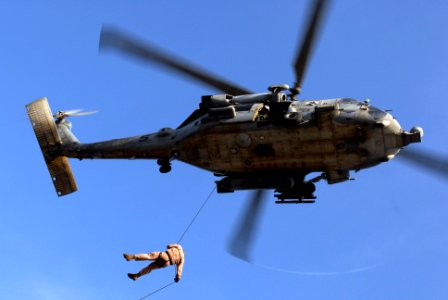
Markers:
{"x": 174, "y": 246}
{"x": 179, "y": 271}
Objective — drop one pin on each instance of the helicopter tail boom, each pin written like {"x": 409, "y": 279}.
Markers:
{"x": 46, "y": 131}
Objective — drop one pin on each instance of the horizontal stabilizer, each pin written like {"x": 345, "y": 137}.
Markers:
{"x": 47, "y": 135}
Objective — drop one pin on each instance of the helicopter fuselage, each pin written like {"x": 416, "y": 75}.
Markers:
{"x": 256, "y": 144}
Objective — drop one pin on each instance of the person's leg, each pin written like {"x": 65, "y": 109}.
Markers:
{"x": 143, "y": 256}
{"x": 147, "y": 256}
{"x": 152, "y": 266}
{"x": 148, "y": 269}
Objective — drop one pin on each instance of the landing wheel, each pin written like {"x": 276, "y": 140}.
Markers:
{"x": 165, "y": 168}
{"x": 165, "y": 165}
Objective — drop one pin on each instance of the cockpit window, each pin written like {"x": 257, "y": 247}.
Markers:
{"x": 351, "y": 105}
{"x": 348, "y": 104}
{"x": 376, "y": 113}
{"x": 349, "y": 101}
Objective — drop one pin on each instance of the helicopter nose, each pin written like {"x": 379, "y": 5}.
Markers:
{"x": 392, "y": 136}
{"x": 395, "y": 138}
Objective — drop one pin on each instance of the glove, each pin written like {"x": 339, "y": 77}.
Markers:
{"x": 176, "y": 279}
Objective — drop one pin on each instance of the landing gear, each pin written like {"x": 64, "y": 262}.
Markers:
{"x": 165, "y": 169}
{"x": 165, "y": 165}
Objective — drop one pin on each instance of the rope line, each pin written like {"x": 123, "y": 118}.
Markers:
{"x": 156, "y": 291}
{"x": 194, "y": 218}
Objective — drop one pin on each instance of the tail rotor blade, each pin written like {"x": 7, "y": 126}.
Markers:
{"x": 82, "y": 113}
{"x": 73, "y": 113}
{"x": 111, "y": 38}
{"x": 242, "y": 240}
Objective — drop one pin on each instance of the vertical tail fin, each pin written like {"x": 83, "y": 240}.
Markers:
{"x": 47, "y": 135}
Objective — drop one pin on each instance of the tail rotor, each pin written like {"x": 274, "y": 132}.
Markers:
{"x": 61, "y": 115}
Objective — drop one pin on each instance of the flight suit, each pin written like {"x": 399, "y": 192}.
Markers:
{"x": 174, "y": 255}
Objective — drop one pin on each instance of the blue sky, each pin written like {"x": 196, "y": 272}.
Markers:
{"x": 389, "y": 224}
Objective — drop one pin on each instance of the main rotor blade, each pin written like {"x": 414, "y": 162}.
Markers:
{"x": 111, "y": 38}
{"x": 241, "y": 242}
{"x": 309, "y": 37}
{"x": 431, "y": 162}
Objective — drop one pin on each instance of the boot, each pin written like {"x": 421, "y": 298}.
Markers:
{"x": 133, "y": 276}
{"x": 128, "y": 257}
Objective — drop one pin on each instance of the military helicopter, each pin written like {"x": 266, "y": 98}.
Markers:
{"x": 250, "y": 141}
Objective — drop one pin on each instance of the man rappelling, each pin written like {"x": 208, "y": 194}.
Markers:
{"x": 174, "y": 255}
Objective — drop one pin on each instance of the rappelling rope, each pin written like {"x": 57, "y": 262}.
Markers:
{"x": 180, "y": 239}
{"x": 197, "y": 214}
{"x": 156, "y": 291}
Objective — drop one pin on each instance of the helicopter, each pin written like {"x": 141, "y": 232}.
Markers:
{"x": 249, "y": 141}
